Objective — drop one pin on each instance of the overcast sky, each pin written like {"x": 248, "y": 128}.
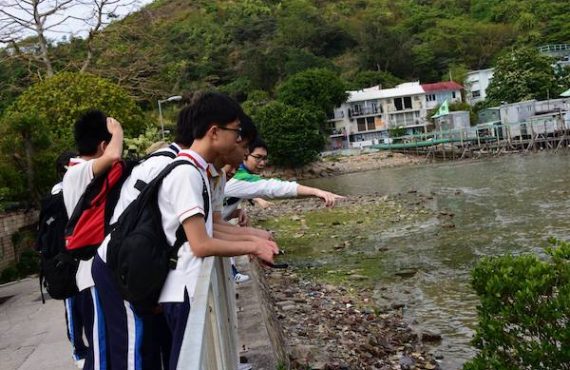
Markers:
{"x": 73, "y": 26}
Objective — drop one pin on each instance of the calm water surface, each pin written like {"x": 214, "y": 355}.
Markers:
{"x": 510, "y": 204}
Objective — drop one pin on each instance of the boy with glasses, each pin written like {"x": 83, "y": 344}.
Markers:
{"x": 248, "y": 184}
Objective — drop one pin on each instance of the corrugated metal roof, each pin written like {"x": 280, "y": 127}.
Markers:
{"x": 442, "y": 86}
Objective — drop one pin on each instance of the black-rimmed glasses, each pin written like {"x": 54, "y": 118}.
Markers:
{"x": 259, "y": 158}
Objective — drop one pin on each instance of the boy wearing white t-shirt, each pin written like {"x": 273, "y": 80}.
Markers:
{"x": 215, "y": 134}
{"x": 99, "y": 142}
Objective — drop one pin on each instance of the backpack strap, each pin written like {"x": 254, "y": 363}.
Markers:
{"x": 180, "y": 234}
{"x": 140, "y": 185}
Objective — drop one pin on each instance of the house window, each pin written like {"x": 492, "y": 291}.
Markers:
{"x": 476, "y": 93}
{"x": 398, "y": 104}
{"x": 361, "y": 122}
{"x": 403, "y": 103}
{"x": 453, "y": 94}
{"x": 370, "y": 123}
{"x": 430, "y": 97}
{"x": 374, "y": 107}
{"x": 357, "y": 109}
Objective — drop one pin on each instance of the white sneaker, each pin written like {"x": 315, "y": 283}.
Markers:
{"x": 245, "y": 366}
{"x": 241, "y": 278}
{"x": 80, "y": 363}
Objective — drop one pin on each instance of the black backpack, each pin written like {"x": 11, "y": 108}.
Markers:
{"x": 57, "y": 267}
{"x": 138, "y": 252}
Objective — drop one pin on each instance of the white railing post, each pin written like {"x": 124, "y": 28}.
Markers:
{"x": 210, "y": 339}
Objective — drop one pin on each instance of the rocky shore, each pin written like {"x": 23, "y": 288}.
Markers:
{"x": 338, "y": 165}
{"x": 335, "y": 327}
{"x": 325, "y": 301}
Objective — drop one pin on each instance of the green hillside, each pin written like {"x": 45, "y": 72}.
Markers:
{"x": 172, "y": 46}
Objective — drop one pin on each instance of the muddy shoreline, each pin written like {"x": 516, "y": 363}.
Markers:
{"x": 329, "y": 315}
{"x": 339, "y": 165}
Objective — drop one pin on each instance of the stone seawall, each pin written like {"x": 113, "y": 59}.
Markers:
{"x": 10, "y": 224}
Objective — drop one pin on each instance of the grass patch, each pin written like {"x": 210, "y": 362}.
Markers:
{"x": 337, "y": 246}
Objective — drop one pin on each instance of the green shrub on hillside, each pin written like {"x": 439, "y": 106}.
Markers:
{"x": 524, "y": 316}
{"x": 292, "y": 134}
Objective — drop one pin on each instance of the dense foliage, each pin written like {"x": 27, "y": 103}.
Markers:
{"x": 315, "y": 88}
{"x": 242, "y": 46}
{"x": 523, "y": 74}
{"x": 292, "y": 134}
{"x": 524, "y": 316}
{"x": 39, "y": 126}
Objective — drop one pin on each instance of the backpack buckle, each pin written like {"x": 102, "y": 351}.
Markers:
{"x": 173, "y": 262}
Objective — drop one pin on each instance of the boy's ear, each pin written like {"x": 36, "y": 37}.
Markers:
{"x": 102, "y": 146}
{"x": 212, "y": 131}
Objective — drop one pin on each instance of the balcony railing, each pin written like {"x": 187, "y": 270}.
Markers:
{"x": 363, "y": 111}
{"x": 210, "y": 340}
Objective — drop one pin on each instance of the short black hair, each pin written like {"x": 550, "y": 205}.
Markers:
{"x": 90, "y": 130}
{"x": 257, "y": 143}
{"x": 205, "y": 110}
{"x": 184, "y": 129}
{"x": 62, "y": 162}
{"x": 248, "y": 129}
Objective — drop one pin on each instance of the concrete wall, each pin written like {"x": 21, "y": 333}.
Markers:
{"x": 11, "y": 223}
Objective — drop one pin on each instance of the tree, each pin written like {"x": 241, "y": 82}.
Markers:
{"x": 522, "y": 74}
{"x": 292, "y": 133}
{"x": 39, "y": 125}
{"x": 321, "y": 89}
{"x": 20, "y": 19}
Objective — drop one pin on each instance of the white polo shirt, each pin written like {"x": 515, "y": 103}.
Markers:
{"x": 146, "y": 172}
{"x": 75, "y": 181}
{"x": 179, "y": 198}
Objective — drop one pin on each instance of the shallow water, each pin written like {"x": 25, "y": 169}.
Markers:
{"x": 510, "y": 204}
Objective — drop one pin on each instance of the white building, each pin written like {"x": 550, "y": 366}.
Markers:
{"x": 458, "y": 120}
{"x": 476, "y": 85}
{"x": 437, "y": 93}
{"x": 368, "y": 114}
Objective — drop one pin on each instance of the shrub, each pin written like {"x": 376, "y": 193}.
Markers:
{"x": 292, "y": 134}
{"x": 39, "y": 126}
{"x": 524, "y": 314}
{"x": 8, "y": 274}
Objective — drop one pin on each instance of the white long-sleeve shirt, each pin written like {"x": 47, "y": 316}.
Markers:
{"x": 246, "y": 185}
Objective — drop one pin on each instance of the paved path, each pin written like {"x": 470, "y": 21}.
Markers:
{"x": 32, "y": 334}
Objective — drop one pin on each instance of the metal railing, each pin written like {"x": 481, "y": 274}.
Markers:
{"x": 364, "y": 111}
{"x": 210, "y": 339}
